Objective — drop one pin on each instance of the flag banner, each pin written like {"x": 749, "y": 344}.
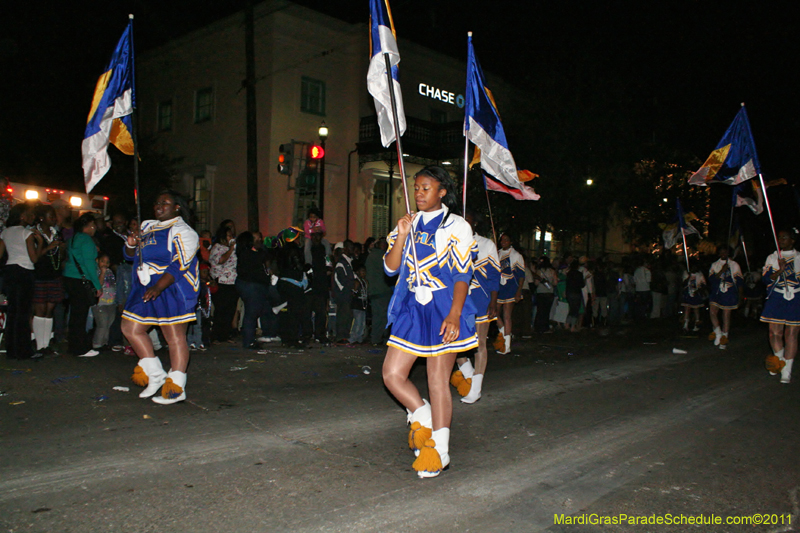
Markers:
{"x": 523, "y": 193}
{"x": 110, "y": 117}
{"x": 685, "y": 221}
{"x": 383, "y": 40}
{"x": 734, "y": 160}
{"x": 756, "y": 203}
{"x": 483, "y": 127}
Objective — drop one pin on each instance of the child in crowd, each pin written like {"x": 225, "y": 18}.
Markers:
{"x": 105, "y": 310}
{"x": 359, "y": 306}
{"x": 205, "y": 245}
{"x": 314, "y": 222}
{"x": 197, "y": 332}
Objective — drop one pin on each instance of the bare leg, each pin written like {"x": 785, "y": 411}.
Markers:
{"x": 508, "y": 310}
{"x": 776, "y": 337}
{"x": 726, "y": 320}
{"x": 138, "y": 338}
{"x": 791, "y": 341}
{"x": 713, "y": 313}
{"x": 396, "y": 368}
{"x": 481, "y": 355}
{"x": 439, "y": 389}
{"x": 178, "y": 348}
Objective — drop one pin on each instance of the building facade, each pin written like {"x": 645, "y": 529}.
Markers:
{"x": 309, "y": 69}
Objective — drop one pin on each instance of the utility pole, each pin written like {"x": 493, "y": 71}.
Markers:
{"x": 252, "y": 126}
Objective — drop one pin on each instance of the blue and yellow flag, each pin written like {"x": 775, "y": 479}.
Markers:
{"x": 110, "y": 118}
{"x": 734, "y": 160}
{"x": 483, "y": 128}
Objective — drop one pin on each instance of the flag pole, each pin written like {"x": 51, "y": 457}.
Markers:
{"x": 134, "y": 137}
{"x": 744, "y": 247}
{"x": 466, "y": 155}
{"x": 399, "y": 146}
{"x": 491, "y": 218}
{"x": 685, "y": 251}
{"x": 769, "y": 212}
{"x": 466, "y": 168}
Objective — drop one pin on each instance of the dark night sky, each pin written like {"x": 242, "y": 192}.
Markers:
{"x": 682, "y": 66}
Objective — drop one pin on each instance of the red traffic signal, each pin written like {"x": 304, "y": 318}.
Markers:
{"x": 316, "y": 152}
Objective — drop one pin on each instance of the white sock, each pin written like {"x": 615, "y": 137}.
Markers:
{"x": 37, "y": 325}
{"x": 717, "y": 331}
{"x": 786, "y": 373}
{"x": 48, "y": 332}
{"x": 779, "y": 354}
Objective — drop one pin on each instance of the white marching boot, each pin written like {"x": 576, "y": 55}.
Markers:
{"x": 786, "y": 373}
{"x": 421, "y": 422}
{"x": 174, "y": 389}
{"x": 467, "y": 370}
{"x": 474, "y": 391}
{"x": 779, "y": 355}
{"x": 149, "y": 374}
{"x": 435, "y": 457}
{"x": 506, "y": 346}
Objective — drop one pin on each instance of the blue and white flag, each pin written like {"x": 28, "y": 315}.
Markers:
{"x": 734, "y": 160}
{"x": 383, "y": 40}
{"x": 483, "y": 127}
{"x": 110, "y": 118}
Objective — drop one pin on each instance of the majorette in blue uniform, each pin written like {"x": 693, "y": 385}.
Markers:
{"x": 512, "y": 273}
{"x": 783, "y": 294}
{"x": 167, "y": 247}
{"x": 723, "y": 288}
{"x": 485, "y": 279}
{"x": 445, "y": 251}
{"x": 693, "y": 296}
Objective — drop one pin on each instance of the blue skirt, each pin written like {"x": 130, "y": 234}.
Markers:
{"x": 779, "y": 310}
{"x": 695, "y": 300}
{"x": 507, "y": 292}
{"x": 175, "y": 305}
{"x": 416, "y": 328}
{"x": 725, "y": 300}
{"x": 481, "y": 302}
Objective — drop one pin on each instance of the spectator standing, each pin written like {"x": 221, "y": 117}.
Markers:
{"x": 545, "y": 281}
{"x": 643, "y": 299}
{"x": 222, "y": 259}
{"x": 320, "y": 286}
{"x": 359, "y": 305}
{"x": 252, "y": 284}
{"x": 21, "y": 245}
{"x": 81, "y": 265}
{"x": 105, "y": 309}
{"x": 314, "y": 224}
{"x": 48, "y": 288}
{"x": 343, "y": 283}
{"x": 380, "y": 292}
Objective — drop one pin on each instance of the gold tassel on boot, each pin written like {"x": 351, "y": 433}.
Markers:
{"x": 139, "y": 377}
{"x": 171, "y": 389}
{"x": 428, "y": 461}
{"x": 417, "y": 436}
{"x": 456, "y": 378}
{"x": 464, "y": 387}
{"x": 499, "y": 343}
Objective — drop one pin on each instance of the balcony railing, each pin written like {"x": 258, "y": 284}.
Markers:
{"x": 422, "y": 139}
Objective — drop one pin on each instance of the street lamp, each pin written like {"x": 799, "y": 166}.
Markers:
{"x": 589, "y": 181}
{"x": 323, "y": 135}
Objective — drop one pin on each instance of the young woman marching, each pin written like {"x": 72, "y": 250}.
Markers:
{"x": 725, "y": 283}
{"x": 435, "y": 320}
{"x": 483, "y": 293}
{"x": 782, "y": 309}
{"x": 512, "y": 275}
{"x": 164, "y": 294}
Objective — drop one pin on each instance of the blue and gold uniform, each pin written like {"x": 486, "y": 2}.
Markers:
{"x": 167, "y": 247}
{"x": 446, "y": 251}
{"x": 512, "y": 273}
{"x": 724, "y": 287}
{"x": 486, "y": 278}
{"x": 783, "y": 295}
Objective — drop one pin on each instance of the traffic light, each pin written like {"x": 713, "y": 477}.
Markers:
{"x": 285, "y": 158}
{"x": 316, "y": 152}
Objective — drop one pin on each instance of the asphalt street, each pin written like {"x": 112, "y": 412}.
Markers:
{"x": 598, "y": 425}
